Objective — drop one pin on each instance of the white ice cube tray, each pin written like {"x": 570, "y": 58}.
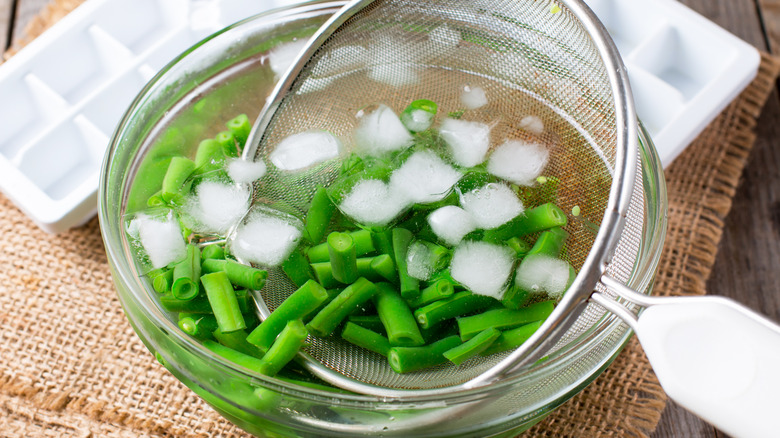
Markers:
{"x": 63, "y": 94}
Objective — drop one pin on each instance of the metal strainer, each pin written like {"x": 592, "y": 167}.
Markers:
{"x": 548, "y": 58}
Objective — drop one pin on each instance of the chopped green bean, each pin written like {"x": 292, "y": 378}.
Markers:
{"x": 458, "y": 304}
{"x": 323, "y": 273}
{"x": 198, "y": 325}
{"x": 238, "y": 273}
{"x": 519, "y": 246}
{"x": 325, "y": 322}
{"x": 210, "y": 155}
{"x": 511, "y": 339}
{"x": 186, "y": 275}
{"x": 473, "y": 346}
{"x": 284, "y": 348}
{"x": 535, "y": 219}
{"x": 503, "y": 319}
{"x": 343, "y": 257}
{"x": 365, "y": 338}
{"x": 224, "y": 304}
{"x": 297, "y": 268}
{"x": 299, "y": 305}
{"x": 179, "y": 170}
{"x": 438, "y": 290}
{"x": 550, "y": 242}
{"x": 408, "y": 359}
{"x": 397, "y": 318}
{"x": 173, "y": 304}
{"x": 242, "y": 359}
{"x": 237, "y": 341}
{"x": 378, "y": 268}
{"x": 371, "y": 322}
{"x": 240, "y": 126}
{"x": 363, "y": 245}
{"x": 161, "y": 279}
{"x": 212, "y": 252}
{"x": 383, "y": 242}
{"x": 318, "y": 217}
{"x": 228, "y": 142}
{"x": 410, "y": 286}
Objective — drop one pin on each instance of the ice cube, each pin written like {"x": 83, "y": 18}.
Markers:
{"x": 381, "y": 131}
{"x": 491, "y": 205}
{"x": 396, "y": 75}
{"x": 417, "y": 120}
{"x": 473, "y": 97}
{"x": 281, "y": 57}
{"x": 304, "y": 149}
{"x": 216, "y": 206}
{"x": 468, "y": 141}
{"x": 424, "y": 177}
{"x": 372, "y": 202}
{"x": 245, "y": 171}
{"x": 450, "y": 223}
{"x": 160, "y": 238}
{"x": 266, "y": 237}
{"x": 518, "y": 161}
{"x": 482, "y": 267}
{"x": 543, "y": 274}
{"x": 419, "y": 261}
{"x": 532, "y": 124}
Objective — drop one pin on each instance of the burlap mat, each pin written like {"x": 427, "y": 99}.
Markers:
{"x": 72, "y": 366}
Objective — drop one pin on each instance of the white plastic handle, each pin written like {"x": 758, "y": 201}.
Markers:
{"x": 717, "y": 359}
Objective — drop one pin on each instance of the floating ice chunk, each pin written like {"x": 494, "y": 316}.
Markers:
{"x": 424, "y": 177}
{"x": 381, "y": 131}
{"x": 266, "y": 237}
{"x": 450, "y": 223}
{"x": 543, "y": 274}
{"x": 216, "y": 206}
{"x": 160, "y": 238}
{"x": 281, "y": 57}
{"x": 468, "y": 141}
{"x": 396, "y": 75}
{"x": 245, "y": 171}
{"x": 419, "y": 261}
{"x": 532, "y": 124}
{"x": 491, "y": 205}
{"x": 518, "y": 161}
{"x": 473, "y": 97}
{"x": 304, "y": 149}
{"x": 372, "y": 202}
{"x": 482, "y": 267}
{"x": 417, "y": 120}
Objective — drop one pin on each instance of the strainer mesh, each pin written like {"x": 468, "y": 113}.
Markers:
{"x": 531, "y": 57}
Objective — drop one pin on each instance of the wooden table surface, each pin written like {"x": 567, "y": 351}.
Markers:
{"x": 748, "y": 264}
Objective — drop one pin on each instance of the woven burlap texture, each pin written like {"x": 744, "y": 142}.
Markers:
{"x": 72, "y": 366}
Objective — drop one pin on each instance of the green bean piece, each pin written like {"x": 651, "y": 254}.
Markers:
{"x": 212, "y": 252}
{"x": 515, "y": 297}
{"x": 228, "y": 142}
{"x": 396, "y": 317}
{"x": 240, "y": 126}
{"x": 237, "y": 341}
{"x": 161, "y": 279}
{"x": 186, "y": 275}
{"x": 320, "y": 214}
{"x": 297, "y": 268}
{"x": 284, "y": 348}
{"x": 383, "y": 242}
{"x": 371, "y": 322}
{"x": 239, "y": 274}
{"x": 247, "y": 361}
{"x": 155, "y": 200}
{"x": 458, "y": 304}
{"x": 347, "y": 301}
{"x": 173, "y": 304}
{"x": 410, "y": 286}
{"x": 408, "y": 359}
{"x": 343, "y": 257}
{"x": 179, "y": 170}
{"x": 503, "y": 319}
{"x": 363, "y": 245}
{"x": 378, "y": 268}
{"x": 298, "y": 305}
{"x": 323, "y": 273}
{"x": 473, "y": 346}
{"x": 365, "y": 338}
{"x": 519, "y": 246}
{"x": 533, "y": 220}
{"x": 224, "y": 303}
{"x": 197, "y": 325}
{"x": 550, "y": 242}
{"x": 511, "y": 339}
{"x": 245, "y": 303}
{"x": 438, "y": 290}
{"x": 210, "y": 155}
{"x": 440, "y": 255}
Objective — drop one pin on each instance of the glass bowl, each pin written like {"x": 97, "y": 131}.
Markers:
{"x": 190, "y": 99}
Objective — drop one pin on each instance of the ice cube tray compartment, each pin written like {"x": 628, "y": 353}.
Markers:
{"x": 683, "y": 68}
{"x": 64, "y": 93}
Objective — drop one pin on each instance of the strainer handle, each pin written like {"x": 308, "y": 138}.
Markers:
{"x": 717, "y": 359}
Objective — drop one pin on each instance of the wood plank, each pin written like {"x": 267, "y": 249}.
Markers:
{"x": 6, "y": 21}
{"x": 25, "y": 11}
{"x": 770, "y": 13}
{"x": 740, "y": 248}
